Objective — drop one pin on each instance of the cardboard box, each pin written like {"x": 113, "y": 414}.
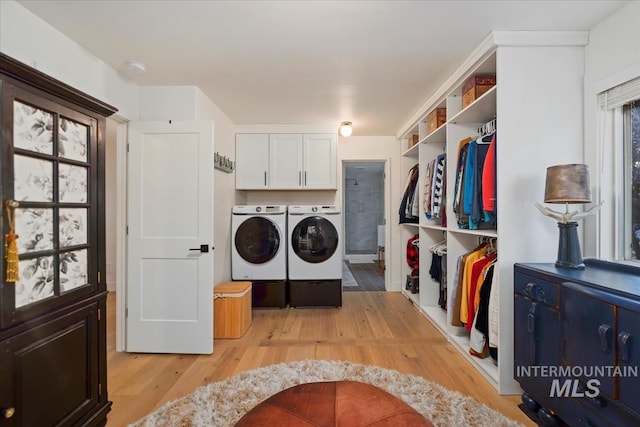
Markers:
{"x": 436, "y": 118}
{"x": 475, "y": 87}
{"x": 231, "y": 309}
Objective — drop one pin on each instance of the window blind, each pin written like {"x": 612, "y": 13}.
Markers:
{"x": 620, "y": 95}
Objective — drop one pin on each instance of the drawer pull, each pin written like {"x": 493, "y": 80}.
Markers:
{"x": 624, "y": 342}
{"x": 529, "y": 290}
{"x": 604, "y": 331}
{"x": 531, "y": 328}
{"x": 531, "y": 319}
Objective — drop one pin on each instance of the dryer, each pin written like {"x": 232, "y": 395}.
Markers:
{"x": 314, "y": 255}
{"x": 259, "y": 251}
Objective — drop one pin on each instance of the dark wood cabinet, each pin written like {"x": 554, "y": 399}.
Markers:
{"x": 577, "y": 343}
{"x": 52, "y": 316}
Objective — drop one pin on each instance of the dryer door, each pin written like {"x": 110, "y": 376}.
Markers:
{"x": 257, "y": 240}
{"x": 314, "y": 239}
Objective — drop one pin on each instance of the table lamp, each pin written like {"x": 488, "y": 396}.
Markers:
{"x": 568, "y": 184}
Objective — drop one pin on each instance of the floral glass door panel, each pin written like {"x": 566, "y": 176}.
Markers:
{"x": 53, "y": 165}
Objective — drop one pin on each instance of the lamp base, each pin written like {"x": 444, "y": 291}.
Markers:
{"x": 569, "y": 253}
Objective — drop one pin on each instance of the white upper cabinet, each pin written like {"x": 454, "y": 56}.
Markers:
{"x": 286, "y": 161}
{"x": 319, "y": 155}
{"x": 252, "y": 161}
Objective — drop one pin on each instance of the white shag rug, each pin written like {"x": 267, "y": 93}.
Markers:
{"x": 223, "y": 403}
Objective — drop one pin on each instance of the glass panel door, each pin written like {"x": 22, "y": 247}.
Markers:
{"x": 49, "y": 173}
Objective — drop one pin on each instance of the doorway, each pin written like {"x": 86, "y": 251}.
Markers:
{"x": 364, "y": 224}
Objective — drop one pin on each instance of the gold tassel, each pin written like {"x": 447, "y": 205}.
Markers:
{"x": 11, "y": 245}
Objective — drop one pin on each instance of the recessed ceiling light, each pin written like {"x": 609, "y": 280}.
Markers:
{"x": 136, "y": 66}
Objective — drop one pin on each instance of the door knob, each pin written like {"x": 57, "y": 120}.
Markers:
{"x": 202, "y": 248}
{"x": 7, "y": 412}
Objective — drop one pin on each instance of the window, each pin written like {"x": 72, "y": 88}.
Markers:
{"x": 631, "y": 120}
{"x": 619, "y": 180}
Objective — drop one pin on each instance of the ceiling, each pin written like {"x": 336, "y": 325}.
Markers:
{"x": 374, "y": 63}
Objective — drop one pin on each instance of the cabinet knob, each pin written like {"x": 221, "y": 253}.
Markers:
{"x": 8, "y": 412}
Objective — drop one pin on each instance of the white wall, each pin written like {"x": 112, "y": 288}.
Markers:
{"x": 189, "y": 103}
{"x": 224, "y": 186}
{"x": 612, "y": 57}
{"x": 29, "y": 39}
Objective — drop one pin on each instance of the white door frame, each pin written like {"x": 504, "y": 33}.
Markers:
{"x": 387, "y": 212}
{"x": 121, "y": 230}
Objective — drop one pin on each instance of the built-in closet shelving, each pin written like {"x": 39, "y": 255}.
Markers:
{"x": 537, "y": 104}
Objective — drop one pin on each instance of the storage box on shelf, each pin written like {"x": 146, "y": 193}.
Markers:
{"x": 515, "y": 64}
{"x": 436, "y": 118}
{"x": 413, "y": 140}
{"x": 476, "y": 86}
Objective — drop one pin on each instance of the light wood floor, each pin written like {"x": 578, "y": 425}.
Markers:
{"x": 373, "y": 328}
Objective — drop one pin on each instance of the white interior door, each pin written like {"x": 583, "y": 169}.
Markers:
{"x": 170, "y": 217}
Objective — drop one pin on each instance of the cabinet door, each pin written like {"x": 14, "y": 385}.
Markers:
{"x": 252, "y": 161}
{"x": 285, "y": 161}
{"x": 588, "y": 334}
{"x": 49, "y": 374}
{"x": 536, "y": 344}
{"x": 628, "y": 342}
{"x": 53, "y": 168}
{"x": 319, "y": 161}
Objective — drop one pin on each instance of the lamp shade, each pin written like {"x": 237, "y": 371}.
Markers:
{"x": 567, "y": 184}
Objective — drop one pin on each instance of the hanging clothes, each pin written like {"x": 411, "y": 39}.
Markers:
{"x": 428, "y": 188}
{"x": 413, "y": 255}
{"x": 461, "y": 218}
{"x": 437, "y": 199}
{"x": 406, "y": 212}
{"x": 472, "y": 180}
{"x": 489, "y": 181}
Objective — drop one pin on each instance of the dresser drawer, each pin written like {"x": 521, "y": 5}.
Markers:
{"x": 599, "y": 411}
{"x": 536, "y": 289}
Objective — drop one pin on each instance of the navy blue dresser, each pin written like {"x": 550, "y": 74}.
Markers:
{"x": 577, "y": 343}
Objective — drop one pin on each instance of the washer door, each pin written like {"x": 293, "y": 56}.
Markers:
{"x": 314, "y": 239}
{"x": 257, "y": 240}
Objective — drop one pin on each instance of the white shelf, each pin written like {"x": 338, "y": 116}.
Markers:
{"x": 520, "y": 101}
{"x": 412, "y": 152}
{"x": 479, "y": 111}
{"x": 483, "y": 233}
{"x": 438, "y": 136}
{"x": 433, "y": 226}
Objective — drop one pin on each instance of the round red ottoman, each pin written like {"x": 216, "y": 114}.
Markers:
{"x": 335, "y": 403}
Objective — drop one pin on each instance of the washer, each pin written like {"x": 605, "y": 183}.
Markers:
{"x": 315, "y": 255}
{"x": 259, "y": 252}
{"x": 259, "y": 242}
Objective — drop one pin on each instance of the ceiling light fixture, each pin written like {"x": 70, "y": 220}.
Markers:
{"x": 136, "y": 66}
{"x": 346, "y": 129}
